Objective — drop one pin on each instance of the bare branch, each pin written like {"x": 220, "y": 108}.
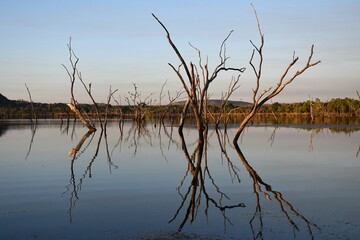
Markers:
{"x": 203, "y": 70}
{"x": 181, "y": 78}
{"x": 88, "y": 90}
{"x": 73, "y": 74}
{"x": 259, "y": 100}
{"x": 111, "y": 93}
{"x": 257, "y": 21}
{"x": 223, "y": 48}
{"x": 161, "y": 93}
{"x": 32, "y": 105}
{"x": 174, "y": 47}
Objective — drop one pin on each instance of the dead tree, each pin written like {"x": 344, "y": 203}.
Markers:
{"x": 311, "y": 110}
{"x": 196, "y": 79}
{"x": 165, "y": 110}
{"x": 74, "y": 74}
{"x": 32, "y": 106}
{"x": 258, "y": 99}
{"x": 120, "y": 112}
{"x": 111, "y": 93}
{"x": 33, "y": 126}
{"x": 137, "y": 104}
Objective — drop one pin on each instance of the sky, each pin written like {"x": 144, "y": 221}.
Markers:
{"x": 119, "y": 44}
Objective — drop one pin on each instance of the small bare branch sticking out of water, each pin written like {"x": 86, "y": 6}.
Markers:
{"x": 32, "y": 106}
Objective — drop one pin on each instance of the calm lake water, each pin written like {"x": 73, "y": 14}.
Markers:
{"x": 284, "y": 182}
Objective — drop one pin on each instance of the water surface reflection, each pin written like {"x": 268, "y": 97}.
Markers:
{"x": 281, "y": 182}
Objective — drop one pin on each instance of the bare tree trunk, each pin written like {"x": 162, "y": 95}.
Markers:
{"x": 111, "y": 93}
{"x": 72, "y": 75}
{"x": 266, "y": 95}
{"x": 183, "y": 115}
{"x": 32, "y": 105}
{"x": 81, "y": 117}
{"x": 311, "y": 111}
{"x": 197, "y": 79}
{"x": 137, "y": 104}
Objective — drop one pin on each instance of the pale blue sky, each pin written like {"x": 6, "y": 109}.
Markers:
{"x": 119, "y": 42}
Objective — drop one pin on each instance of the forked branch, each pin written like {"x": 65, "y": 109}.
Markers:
{"x": 73, "y": 75}
{"x": 259, "y": 99}
{"x": 197, "y": 79}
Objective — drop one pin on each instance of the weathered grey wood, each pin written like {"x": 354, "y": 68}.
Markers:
{"x": 81, "y": 117}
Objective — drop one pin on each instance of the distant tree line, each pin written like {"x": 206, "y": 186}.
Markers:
{"x": 13, "y": 109}
{"x": 336, "y": 106}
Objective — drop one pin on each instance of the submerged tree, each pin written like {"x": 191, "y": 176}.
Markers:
{"x": 137, "y": 104}
{"x": 258, "y": 99}
{"x": 74, "y": 74}
{"x": 33, "y": 112}
{"x": 196, "y": 79}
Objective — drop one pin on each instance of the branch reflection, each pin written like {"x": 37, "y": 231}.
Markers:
{"x": 259, "y": 186}
{"x": 74, "y": 186}
{"x": 198, "y": 186}
{"x": 33, "y": 132}
{"x": 222, "y": 140}
{"x": 197, "y": 191}
{"x": 137, "y": 132}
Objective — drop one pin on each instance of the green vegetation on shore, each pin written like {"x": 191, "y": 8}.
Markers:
{"x": 338, "y": 107}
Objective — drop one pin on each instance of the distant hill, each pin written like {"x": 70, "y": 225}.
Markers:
{"x": 5, "y": 102}
{"x": 17, "y": 104}
{"x": 218, "y": 102}
{"x": 8, "y": 103}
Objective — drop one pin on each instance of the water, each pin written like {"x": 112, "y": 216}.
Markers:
{"x": 284, "y": 182}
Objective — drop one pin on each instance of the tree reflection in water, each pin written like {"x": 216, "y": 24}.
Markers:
{"x": 198, "y": 189}
{"x": 196, "y": 193}
{"x": 33, "y": 132}
{"x": 259, "y": 186}
{"x": 74, "y": 187}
